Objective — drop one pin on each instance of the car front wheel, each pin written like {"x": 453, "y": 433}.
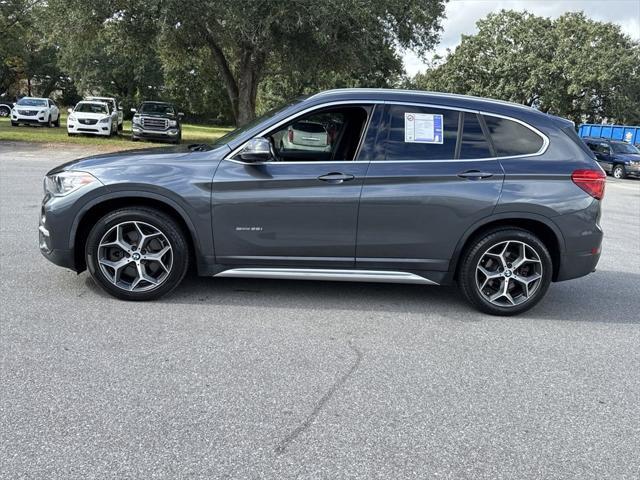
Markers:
{"x": 505, "y": 272}
{"x": 137, "y": 253}
{"x": 618, "y": 172}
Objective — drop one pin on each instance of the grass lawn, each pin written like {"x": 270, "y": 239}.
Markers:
{"x": 190, "y": 134}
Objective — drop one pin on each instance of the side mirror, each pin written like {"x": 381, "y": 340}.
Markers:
{"x": 180, "y": 115}
{"x": 70, "y": 110}
{"x": 256, "y": 150}
{"x": 120, "y": 108}
{"x": 134, "y": 110}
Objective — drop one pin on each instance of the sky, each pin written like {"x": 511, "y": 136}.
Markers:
{"x": 461, "y": 16}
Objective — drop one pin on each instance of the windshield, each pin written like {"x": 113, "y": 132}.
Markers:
{"x": 91, "y": 108}
{"x": 157, "y": 109}
{"x": 232, "y": 135}
{"x": 624, "y": 148}
{"x": 32, "y": 102}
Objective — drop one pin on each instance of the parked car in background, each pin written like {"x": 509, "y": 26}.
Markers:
{"x": 5, "y": 109}
{"x": 311, "y": 136}
{"x": 423, "y": 188}
{"x": 92, "y": 117}
{"x": 157, "y": 121}
{"x": 620, "y": 159}
{"x": 35, "y": 111}
{"x": 114, "y": 106}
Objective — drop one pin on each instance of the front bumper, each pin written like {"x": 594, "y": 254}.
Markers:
{"x": 632, "y": 170}
{"x": 57, "y": 225}
{"x": 96, "y": 129}
{"x": 169, "y": 134}
{"x": 31, "y": 119}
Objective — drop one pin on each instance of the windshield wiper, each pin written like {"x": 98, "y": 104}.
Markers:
{"x": 199, "y": 147}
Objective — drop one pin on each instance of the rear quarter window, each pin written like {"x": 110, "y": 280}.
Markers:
{"x": 512, "y": 138}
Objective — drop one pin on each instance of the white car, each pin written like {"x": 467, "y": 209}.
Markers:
{"x": 113, "y": 106}
{"x": 35, "y": 111}
{"x": 306, "y": 136}
{"x": 5, "y": 109}
{"x": 92, "y": 117}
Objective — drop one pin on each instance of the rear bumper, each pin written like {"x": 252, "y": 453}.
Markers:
{"x": 577, "y": 265}
{"x": 583, "y": 240}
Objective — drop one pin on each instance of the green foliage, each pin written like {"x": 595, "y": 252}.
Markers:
{"x": 253, "y": 40}
{"x": 572, "y": 66}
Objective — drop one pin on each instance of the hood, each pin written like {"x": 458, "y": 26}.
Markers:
{"x": 148, "y": 156}
{"x": 631, "y": 157}
{"x": 96, "y": 116}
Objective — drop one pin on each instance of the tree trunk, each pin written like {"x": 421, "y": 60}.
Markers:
{"x": 28, "y": 86}
{"x": 248, "y": 76}
{"x": 241, "y": 85}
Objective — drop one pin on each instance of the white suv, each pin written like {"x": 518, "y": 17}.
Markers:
{"x": 95, "y": 118}
{"x": 35, "y": 111}
{"x": 113, "y": 106}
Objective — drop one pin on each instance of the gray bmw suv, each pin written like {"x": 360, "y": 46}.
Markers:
{"x": 356, "y": 185}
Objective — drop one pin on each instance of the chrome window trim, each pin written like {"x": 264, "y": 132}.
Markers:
{"x": 266, "y": 131}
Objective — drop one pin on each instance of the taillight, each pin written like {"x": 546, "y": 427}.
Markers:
{"x": 290, "y": 135}
{"x": 591, "y": 181}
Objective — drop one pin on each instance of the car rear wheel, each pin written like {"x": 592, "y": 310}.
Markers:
{"x": 619, "y": 172}
{"x": 4, "y": 112}
{"x": 14, "y": 124}
{"x": 137, "y": 253}
{"x": 505, "y": 272}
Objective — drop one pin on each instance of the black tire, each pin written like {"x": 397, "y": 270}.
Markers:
{"x": 158, "y": 220}
{"x": 134, "y": 139}
{"x": 618, "y": 171}
{"x": 57, "y": 122}
{"x": 4, "y": 112}
{"x": 71, "y": 134}
{"x": 15, "y": 124}
{"x": 120, "y": 127}
{"x": 49, "y": 122}
{"x": 467, "y": 273}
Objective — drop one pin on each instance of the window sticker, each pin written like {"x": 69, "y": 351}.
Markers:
{"x": 422, "y": 128}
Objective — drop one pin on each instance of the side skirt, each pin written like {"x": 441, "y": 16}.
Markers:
{"x": 380, "y": 276}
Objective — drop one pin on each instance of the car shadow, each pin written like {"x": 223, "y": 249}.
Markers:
{"x": 604, "y": 296}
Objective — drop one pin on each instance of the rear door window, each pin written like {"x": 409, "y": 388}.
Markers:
{"x": 421, "y": 133}
{"x": 512, "y": 138}
{"x": 474, "y": 143}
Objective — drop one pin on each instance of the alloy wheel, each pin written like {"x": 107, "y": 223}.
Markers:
{"x": 135, "y": 256}
{"x": 509, "y": 273}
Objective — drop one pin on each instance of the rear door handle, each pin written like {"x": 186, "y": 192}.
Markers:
{"x": 336, "y": 177}
{"x": 475, "y": 174}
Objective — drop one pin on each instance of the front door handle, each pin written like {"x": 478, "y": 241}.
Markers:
{"x": 336, "y": 177}
{"x": 475, "y": 174}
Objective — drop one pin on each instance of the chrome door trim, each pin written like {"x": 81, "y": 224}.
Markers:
{"x": 542, "y": 151}
{"x": 327, "y": 274}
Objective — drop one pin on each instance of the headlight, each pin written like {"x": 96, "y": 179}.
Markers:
{"x": 173, "y": 123}
{"x": 71, "y": 118}
{"x": 64, "y": 183}
{"x": 633, "y": 162}
{"x": 136, "y": 119}
{"x": 105, "y": 120}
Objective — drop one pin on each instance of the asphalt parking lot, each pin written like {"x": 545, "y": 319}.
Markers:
{"x": 256, "y": 379}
